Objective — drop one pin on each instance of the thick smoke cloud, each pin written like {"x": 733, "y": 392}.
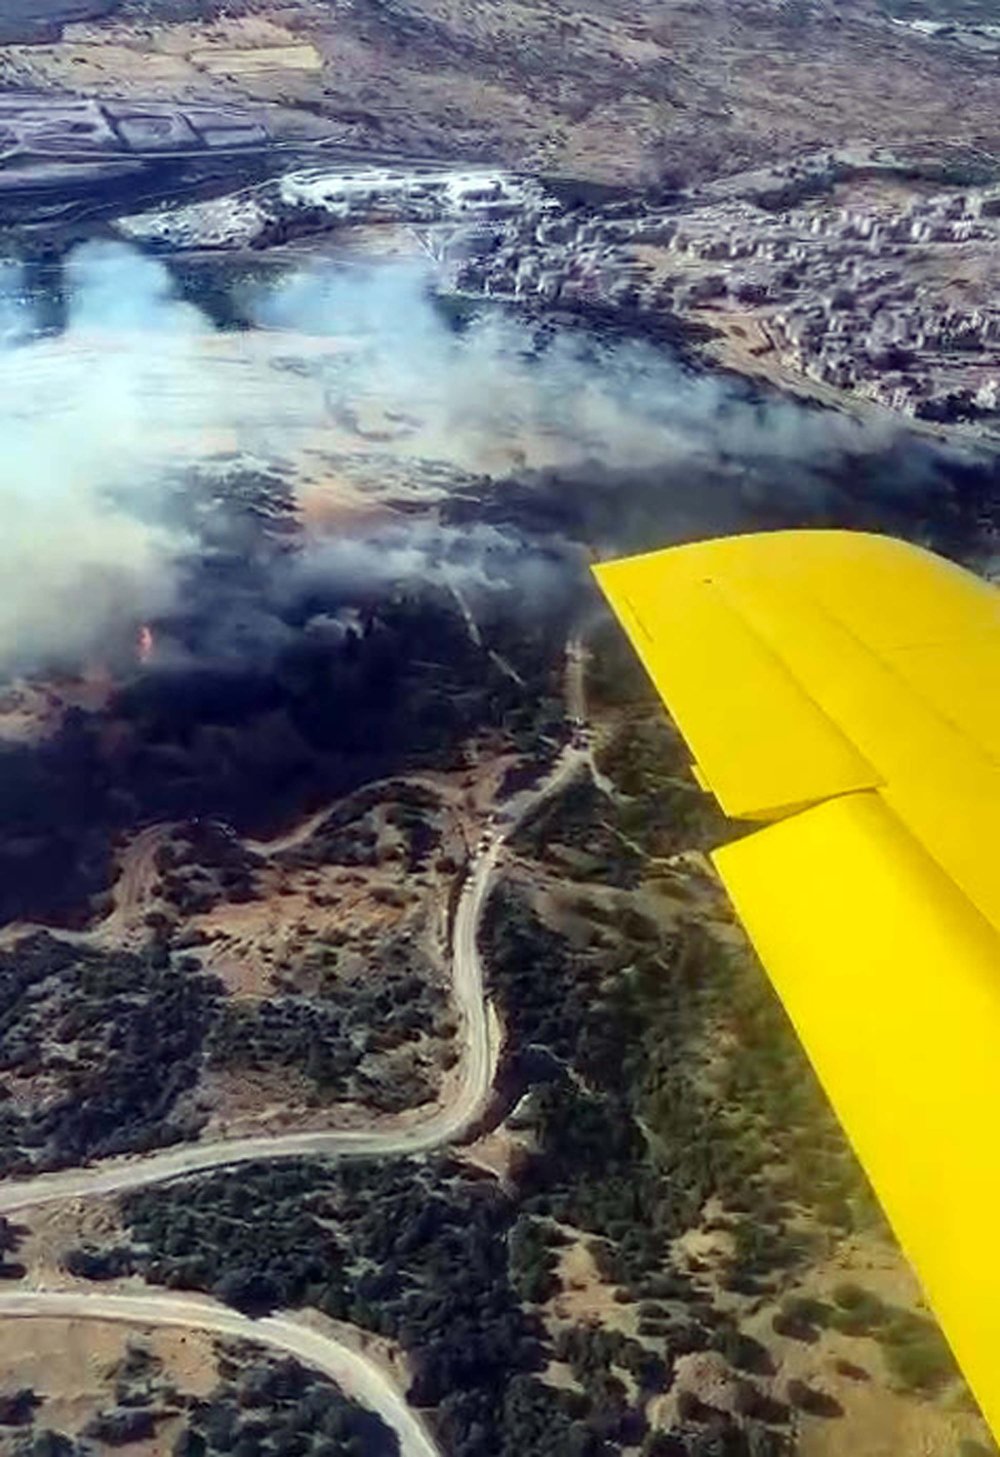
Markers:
{"x": 489, "y": 394}
{"x": 693, "y": 452}
{"x": 83, "y": 425}
{"x": 94, "y": 419}
{"x": 470, "y": 561}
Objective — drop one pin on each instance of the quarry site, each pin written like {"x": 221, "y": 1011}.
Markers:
{"x": 382, "y": 1069}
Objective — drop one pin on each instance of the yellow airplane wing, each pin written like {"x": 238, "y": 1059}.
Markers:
{"x": 844, "y": 689}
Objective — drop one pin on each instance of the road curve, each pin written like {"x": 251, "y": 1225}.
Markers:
{"x": 353, "y": 1372}
{"x": 445, "y": 1125}
{"x": 358, "y": 1376}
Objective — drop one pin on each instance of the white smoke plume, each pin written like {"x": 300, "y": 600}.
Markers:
{"x": 484, "y": 389}
{"x": 92, "y": 419}
{"x": 82, "y": 426}
{"x": 472, "y": 559}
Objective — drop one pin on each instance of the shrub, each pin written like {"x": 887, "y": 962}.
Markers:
{"x": 816, "y": 1403}
{"x": 17, "y": 1407}
{"x": 917, "y": 1354}
{"x": 857, "y": 1301}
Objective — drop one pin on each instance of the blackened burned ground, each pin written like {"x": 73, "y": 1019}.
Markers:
{"x": 43, "y": 20}
{"x": 902, "y": 485}
{"x": 254, "y": 712}
{"x": 278, "y": 694}
{"x": 275, "y": 697}
{"x": 263, "y": 726}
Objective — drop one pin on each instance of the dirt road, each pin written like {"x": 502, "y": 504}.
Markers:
{"x": 445, "y": 1125}
{"x": 358, "y": 1376}
{"x": 351, "y": 1370}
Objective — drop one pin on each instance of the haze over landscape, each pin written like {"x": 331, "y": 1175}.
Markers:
{"x": 382, "y": 1069}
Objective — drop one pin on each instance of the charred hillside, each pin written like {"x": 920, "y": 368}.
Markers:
{"x": 255, "y": 710}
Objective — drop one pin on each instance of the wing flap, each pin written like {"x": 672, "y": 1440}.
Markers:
{"x": 892, "y": 981}
{"x": 785, "y": 660}
{"x": 763, "y": 746}
{"x": 870, "y": 671}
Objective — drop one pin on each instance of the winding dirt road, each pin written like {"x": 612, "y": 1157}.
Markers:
{"x": 358, "y": 1376}
{"x": 352, "y": 1371}
{"x": 445, "y": 1125}
{"x": 132, "y": 891}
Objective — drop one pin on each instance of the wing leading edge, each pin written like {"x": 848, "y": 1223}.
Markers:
{"x": 844, "y": 690}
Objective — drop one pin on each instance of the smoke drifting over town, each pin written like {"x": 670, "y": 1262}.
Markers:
{"x": 98, "y": 415}
{"x": 563, "y": 398}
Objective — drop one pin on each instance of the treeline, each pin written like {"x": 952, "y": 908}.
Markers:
{"x": 633, "y": 1137}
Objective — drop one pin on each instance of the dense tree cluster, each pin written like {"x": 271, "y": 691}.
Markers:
{"x": 604, "y": 1024}
{"x": 582, "y": 821}
{"x": 17, "y": 1407}
{"x": 346, "y": 836}
{"x": 418, "y": 1254}
{"x": 254, "y": 1237}
{"x": 115, "y": 1038}
{"x": 266, "y": 1404}
{"x": 279, "y": 725}
{"x": 662, "y": 809}
{"x": 204, "y": 863}
{"x": 422, "y": 1253}
{"x": 337, "y": 1037}
{"x": 631, "y": 1145}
